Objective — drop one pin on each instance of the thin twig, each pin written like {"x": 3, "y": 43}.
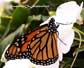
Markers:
{"x": 78, "y": 30}
{"x": 78, "y": 39}
{"x": 78, "y": 47}
{"x": 35, "y": 3}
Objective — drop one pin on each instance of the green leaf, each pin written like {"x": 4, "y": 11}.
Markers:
{"x": 35, "y": 17}
{"x": 10, "y": 37}
{"x": 5, "y": 20}
{"x": 82, "y": 13}
{"x": 20, "y": 16}
{"x": 34, "y": 21}
{"x": 6, "y": 31}
{"x": 4, "y": 26}
{"x": 0, "y": 63}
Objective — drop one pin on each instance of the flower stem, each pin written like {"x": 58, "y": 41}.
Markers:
{"x": 76, "y": 29}
{"x": 80, "y": 38}
{"x": 35, "y": 3}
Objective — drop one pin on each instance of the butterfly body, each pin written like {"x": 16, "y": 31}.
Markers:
{"x": 39, "y": 46}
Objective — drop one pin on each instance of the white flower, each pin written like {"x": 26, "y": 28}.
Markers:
{"x": 16, "y": 1}
{"x": 25, "y": 63}
{"x": 4, "y": 4}
{"x": 67, "y": 13}
{"x": 1, "y": 6}
{"x": 70, "y": 15}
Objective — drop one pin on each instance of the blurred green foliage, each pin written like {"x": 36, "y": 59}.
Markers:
{"x": 24, "y": 19}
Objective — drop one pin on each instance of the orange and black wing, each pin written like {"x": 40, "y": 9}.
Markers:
{"x": 39, "y": 46}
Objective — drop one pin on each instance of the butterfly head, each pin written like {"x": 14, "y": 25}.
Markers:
{"x": 52, "y": 26}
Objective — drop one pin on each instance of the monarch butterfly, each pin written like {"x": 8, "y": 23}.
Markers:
{"x": 39, "y": 46}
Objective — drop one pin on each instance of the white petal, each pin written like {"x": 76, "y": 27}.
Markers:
{"x": 17, "y": 1}
{"x": 17, "y": 64}
{"x": 66, "y": 34}
{"x": 47, "y": 21}
{"x": 68, "y": 12}
{"x": 25, "y": 63}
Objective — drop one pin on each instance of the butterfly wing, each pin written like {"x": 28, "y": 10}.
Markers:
{"x": 39, "y": 46}
{"x": 42, "y": 47}
{"x": 15, "y": 50}
{"x": 43, "y": 51}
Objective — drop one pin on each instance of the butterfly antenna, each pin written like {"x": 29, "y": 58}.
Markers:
{"x": 63, "y": 24}
{"x": 60, "y": 39}
{"x": 58, "y": 32}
